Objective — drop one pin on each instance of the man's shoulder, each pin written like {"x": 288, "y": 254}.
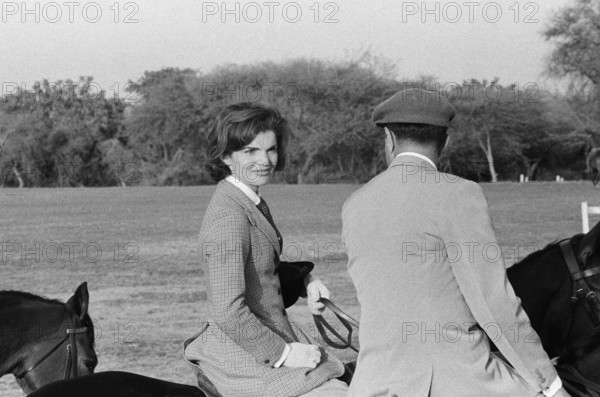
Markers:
{"x": 455, "y": 188}
{"x": 374, "y": 185}
{"x": 466, "y": 187}
{"x": 445, "y": 186}
{"x": 395, "y": 177}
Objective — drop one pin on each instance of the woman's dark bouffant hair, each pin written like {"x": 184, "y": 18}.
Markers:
{"x": 237, "y": 126}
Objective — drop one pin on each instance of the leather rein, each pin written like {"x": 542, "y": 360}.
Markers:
{"x": 71, "y": 360}
{"x": 581, "y": 293}
{"x": 346, "y": 321}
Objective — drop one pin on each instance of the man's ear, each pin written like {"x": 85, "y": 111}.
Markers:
{"x": 447, "y": 141}
{"x": 390, "y": 142}
{"x": 444, "y": 146}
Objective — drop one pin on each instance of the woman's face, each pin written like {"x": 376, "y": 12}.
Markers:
{"x": 254, "y": 163}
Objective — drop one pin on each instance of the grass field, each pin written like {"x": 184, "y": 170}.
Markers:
{"x": 147, "y": 295}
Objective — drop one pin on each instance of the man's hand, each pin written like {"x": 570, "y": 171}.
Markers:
{"x": 315, "y": 290}
{"x": 302, "y": 355}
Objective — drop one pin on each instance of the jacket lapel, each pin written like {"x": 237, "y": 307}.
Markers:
{"x": 254, "y": 215}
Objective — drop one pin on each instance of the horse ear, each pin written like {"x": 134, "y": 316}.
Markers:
{"x": 79, "y": 301}
{"x": 590, "y": 244}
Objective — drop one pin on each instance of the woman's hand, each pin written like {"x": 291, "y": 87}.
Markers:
{"x": 315, "y": 290}
{"x": 302, "y": 355}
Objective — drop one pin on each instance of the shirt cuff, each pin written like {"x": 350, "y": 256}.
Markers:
{"x": 553, "y": 388}
{"x": 286, "y": 352}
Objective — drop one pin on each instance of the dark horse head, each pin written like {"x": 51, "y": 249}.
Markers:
{"x": 36, "y": 335}
{"x": 568, "y": 330}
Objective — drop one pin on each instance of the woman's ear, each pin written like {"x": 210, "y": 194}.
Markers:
{"x": 226, "y": 158}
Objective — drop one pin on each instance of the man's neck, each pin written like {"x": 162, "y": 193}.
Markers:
{"x": 430, "y": 153}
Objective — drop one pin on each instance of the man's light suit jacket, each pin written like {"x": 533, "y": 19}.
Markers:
{"x": 431, "y": 283}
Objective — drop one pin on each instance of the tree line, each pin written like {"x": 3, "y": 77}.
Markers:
{"x": 72, "y": 134}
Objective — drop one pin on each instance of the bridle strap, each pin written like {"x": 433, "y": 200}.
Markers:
{"x": 581, "y": 290}
{"x": 72, "y": 351}
{"x": 586, "y": 273}
{"x": 71, "y": 354}
{"x": 69, "y": 364}
{"x": 41, "y": 360}
{"x": 570, "y": 259}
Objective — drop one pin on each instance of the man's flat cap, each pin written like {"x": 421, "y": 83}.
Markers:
{"x": 414, "y": 106}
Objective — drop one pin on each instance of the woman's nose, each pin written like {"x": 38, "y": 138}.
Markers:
{"x": 263, "y": 159}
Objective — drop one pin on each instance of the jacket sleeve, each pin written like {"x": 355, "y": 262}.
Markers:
{"x": 225, "y": 246}
{"x": 481, "y": 275}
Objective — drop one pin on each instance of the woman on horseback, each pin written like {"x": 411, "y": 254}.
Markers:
{"x": 248, "y": 346}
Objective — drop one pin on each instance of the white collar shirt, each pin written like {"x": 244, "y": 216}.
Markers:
{"x": 418, "y": 155}
{"x": 255, "y": 198}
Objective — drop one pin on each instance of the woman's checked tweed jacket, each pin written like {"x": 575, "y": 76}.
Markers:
{"x": 234, "y": 351}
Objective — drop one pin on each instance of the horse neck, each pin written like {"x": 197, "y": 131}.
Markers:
{"x": 537, "y": 279}
{"x": 22, "y": 326}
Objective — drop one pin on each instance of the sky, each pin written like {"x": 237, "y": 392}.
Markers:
{"x": 116, "y": 41}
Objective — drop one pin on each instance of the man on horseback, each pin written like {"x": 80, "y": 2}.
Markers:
{"x": 429, "y": 274}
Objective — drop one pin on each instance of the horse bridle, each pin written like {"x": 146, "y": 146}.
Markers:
{"x": 581, "y": 293}
{"x": 581, "y": 290}
{"x": 71, "y": 361}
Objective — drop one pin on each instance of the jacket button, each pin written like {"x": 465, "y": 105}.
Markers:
{"x": 267, "y": 361}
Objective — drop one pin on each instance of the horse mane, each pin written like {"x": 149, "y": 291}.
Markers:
{"x": 536, "y": 254}
{"x": 531, "y": 257}
{"x": 10, "y": 298}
